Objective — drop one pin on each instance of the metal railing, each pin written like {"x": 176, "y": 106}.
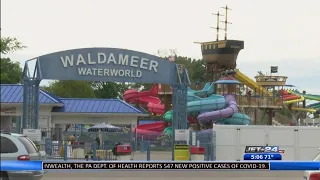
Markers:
{"x": 68, "y": 150}
{"x": 84, "y": 145}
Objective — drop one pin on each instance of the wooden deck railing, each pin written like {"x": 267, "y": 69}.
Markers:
{"x": 258, "y": 101}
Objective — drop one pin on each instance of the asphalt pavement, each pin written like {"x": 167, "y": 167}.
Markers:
{"x": 177, "y": 175}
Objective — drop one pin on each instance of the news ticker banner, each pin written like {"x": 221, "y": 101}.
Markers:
{"x": 135, "y": 165}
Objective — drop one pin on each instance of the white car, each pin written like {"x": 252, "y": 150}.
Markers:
{"x": 17, "y": 147}
{"x": 313, "y": 175}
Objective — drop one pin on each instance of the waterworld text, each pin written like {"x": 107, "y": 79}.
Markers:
{"x": 140, "y": 63}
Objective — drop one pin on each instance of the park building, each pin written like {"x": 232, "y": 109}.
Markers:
{"x": 56, "y": 112}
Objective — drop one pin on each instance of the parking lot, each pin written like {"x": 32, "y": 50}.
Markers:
{"x": 181, "y": 175}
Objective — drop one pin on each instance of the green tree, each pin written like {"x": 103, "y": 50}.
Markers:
{"x": 71, "y": 89}
{"x": 11, "y": 72}
{"x": 196, "y": 68}
{"x": 10, "y": 45}
{"x": 109, "y": 90}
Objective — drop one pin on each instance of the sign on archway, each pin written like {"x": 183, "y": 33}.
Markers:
{"x": 105, "y": 64}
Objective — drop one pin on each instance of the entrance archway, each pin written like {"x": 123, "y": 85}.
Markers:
{"x": 109, "y": 65}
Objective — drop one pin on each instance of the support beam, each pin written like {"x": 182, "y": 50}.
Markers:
{"x": 31, "y": 96}
{"x": 30, "y": 103}
{"x": 180, "y": 106}
{"x": 255, "y": 116}
{"x": 179, "y": 102}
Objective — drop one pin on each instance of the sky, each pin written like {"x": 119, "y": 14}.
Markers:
{"x": 276, "y": 33}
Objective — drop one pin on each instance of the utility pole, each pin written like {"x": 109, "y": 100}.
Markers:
{"x": 226, "y": 8}
{"x": 218, "y": 26}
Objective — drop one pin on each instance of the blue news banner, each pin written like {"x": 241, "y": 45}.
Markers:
{"x": 263, "y": 157}
{"x": 170, "y": 165}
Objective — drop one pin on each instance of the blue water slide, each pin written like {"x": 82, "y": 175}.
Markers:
{"x": 213, "y": 102}
{"x": 205, "y": 88}
{"x": 205, "y": 92}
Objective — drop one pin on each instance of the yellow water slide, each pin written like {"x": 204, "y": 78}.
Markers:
{"x": 304, "y": 109}
{"x": 251, "y": 83}
{"x": 301, "y": 99}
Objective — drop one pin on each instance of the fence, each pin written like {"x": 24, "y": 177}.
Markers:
{"x": 155, "y": 150}
{"x": 68, "y": 150}
{"x": 206, "y": 139}
{"x": 96, "y": 145}
{"x": 81, "y": 144}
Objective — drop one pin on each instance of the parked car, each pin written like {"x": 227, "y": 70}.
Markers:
{"x": 19, "y": 147}
{"x": 313, "y": 175}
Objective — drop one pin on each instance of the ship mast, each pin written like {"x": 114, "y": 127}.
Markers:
{"x": 218, "y": 25}
{"x": 226, "y": 8}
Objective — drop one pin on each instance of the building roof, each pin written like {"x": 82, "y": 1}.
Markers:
{"x": 13, "y": 93}
{"x": 84, "y": 105}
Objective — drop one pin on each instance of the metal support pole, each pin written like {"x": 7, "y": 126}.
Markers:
{"x": 31, "y": 96}
{"x": 65, "y": 150}
{"x": 148, "y": 150}
{"x": 173, "y": 123}
{"x": 31, "y": 104}
{"x": 25, "y": 103}
{"x": 36, "y": 104}
{"x": 179, "y": 101}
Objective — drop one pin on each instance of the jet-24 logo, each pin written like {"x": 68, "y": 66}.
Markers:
{"x": 263, "y": 149}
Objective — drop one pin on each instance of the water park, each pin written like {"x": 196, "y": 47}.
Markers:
{"x": 228, "y": 97}
{"x": 234, "y": 99}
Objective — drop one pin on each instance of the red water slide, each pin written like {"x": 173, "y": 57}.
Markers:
{"x": 288, "y": 96}
{"x": 155, "y": 127}
{"x": 151, "y": 100}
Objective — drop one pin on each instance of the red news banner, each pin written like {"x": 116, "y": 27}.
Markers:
{"x": 156, "y": 165}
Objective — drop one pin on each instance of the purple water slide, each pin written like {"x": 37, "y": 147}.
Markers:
{"x": 232, "y": 107}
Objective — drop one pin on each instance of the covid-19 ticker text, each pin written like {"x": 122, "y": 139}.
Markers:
{"x": 155, "y": 165}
